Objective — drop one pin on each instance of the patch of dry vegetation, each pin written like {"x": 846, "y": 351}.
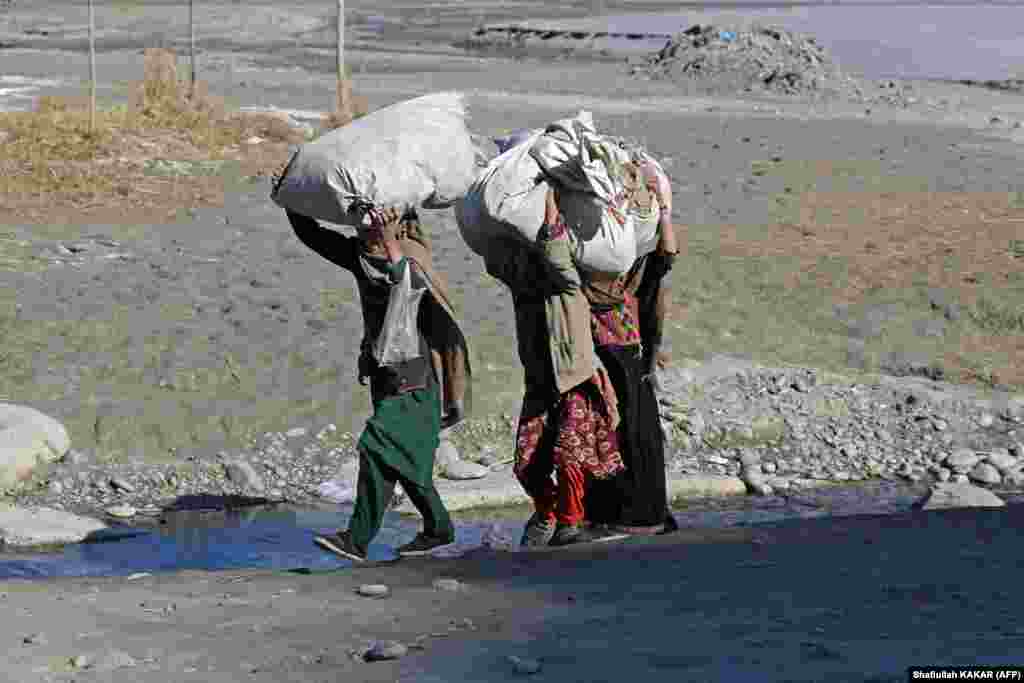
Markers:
{"x": 777, "y": 284}
{"x": 54, "y": 169}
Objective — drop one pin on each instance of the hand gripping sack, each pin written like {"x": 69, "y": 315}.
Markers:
{"x": 415, "y": 153}
{"x": 399, "y": 339}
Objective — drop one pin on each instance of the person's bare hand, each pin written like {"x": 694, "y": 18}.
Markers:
{"x": 381, "y": 225}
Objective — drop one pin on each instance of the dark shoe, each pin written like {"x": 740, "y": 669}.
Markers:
{"x": 341, "y": 544}
{"x": 671, "y": 525}
{"x": 538, "y": 533}
{"x": 423, "y": 545}
{"x": 572, "y": 534}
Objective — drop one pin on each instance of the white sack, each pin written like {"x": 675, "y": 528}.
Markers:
{"x": 416, "y": 153}
{"x": 646, "y": 223}
{"x": 505, "y": 202}
{"x": 507, "y": 199}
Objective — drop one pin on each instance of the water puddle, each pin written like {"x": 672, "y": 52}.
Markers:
{"x": 281, "y": 537}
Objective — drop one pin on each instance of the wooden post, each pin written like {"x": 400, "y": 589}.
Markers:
{"x": 192, "y": 44}
{"x": 344, "y": 96}
{"x": 92, "y": 68}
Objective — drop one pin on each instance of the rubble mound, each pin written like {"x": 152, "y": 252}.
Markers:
{"x": 711, "y": 60}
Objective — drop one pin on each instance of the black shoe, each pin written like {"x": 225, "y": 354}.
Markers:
{"x": 341, "y": 544}
{"x": 538, "y": 533}
{"x": 572, "y": 534}
{"x": 424, "y": 545}
{"x": 671, "y": 525}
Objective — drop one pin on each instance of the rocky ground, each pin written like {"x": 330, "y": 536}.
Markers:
{"x": 777, "y": 429}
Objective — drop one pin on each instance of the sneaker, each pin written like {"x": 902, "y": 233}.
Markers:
{"x": 538, "y": 532}
{"x": 341, "y": 544}
{"x": 424, "y": 545}
{"x": 572, "y": 534}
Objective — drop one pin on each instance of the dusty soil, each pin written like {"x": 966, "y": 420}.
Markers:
{"x": 154, "y": 338}
{"x": 850, "y": 599}
{"x": 786, "y": 209}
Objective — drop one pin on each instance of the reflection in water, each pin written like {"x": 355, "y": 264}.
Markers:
{"x": 282, "y": 537}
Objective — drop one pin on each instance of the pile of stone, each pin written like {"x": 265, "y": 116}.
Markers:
{"x": 794, "y": 428}
{"x": 712, "y": 60}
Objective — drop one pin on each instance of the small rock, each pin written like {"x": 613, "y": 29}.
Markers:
{"x": 35, "y": 639}
{"x": 447, "y": 584}
{"x": 986, "y": 419}
{"x": 460, "y": 470}
{"x": 120, "y": 484}
{"x": 940, "y": 425}
{"x": 523, "y": 665}
{"x": 373, "y": 590}
{"x": 74, "y": 457}
{"x": 984, "y": 473}
{"x": 295, "y": 432}
{"x": 958, "y": 495}
{"x": 1016, "y": 450}
{"x": 137, "y": 575}
{"x": 244, "y": 475}
{"x": 80, "y": 662}
{"x": 114, "y": 659}
{"x": 385, "y": 650}
{"x": 769, "y": 468}
{"x": 121, "y": 511}
{"x": 962, "y": 460}
{"x": 1002, "y": 460}
{"x": 749, "y": 457}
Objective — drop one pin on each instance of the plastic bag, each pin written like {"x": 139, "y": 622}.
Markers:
{"x": 399, "y": 339}
{"x": 514, "y": 139}
{"x": 415, "y": 153}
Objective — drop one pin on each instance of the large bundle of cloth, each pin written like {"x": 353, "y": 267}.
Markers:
{"x": 417, "y": 153}
{"x": 504, "y": 208}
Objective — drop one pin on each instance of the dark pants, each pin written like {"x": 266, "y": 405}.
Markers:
{"x": 398, "y": 446}
{"x": 375, "y": 490}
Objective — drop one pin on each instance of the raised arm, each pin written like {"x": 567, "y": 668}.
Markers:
{"x": 332, "y": 245}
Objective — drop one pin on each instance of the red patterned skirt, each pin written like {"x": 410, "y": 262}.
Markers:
{"x": 576, "y": 429}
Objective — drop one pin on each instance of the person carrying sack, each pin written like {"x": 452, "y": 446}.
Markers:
{"x": 414, "y": 357}
{"x": 567, "y": 424}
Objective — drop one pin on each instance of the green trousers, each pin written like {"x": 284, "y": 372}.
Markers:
{"x": 398, "y": 446}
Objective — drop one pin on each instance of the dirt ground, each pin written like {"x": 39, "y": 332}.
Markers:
{"x": 845, "y": 599}
{"x": 815, "y": 235}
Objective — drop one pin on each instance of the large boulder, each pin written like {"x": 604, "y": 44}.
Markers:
{"x": 25, "y": 527}
{"x": 959, "y": 495}
{"x": 27, "y": 438}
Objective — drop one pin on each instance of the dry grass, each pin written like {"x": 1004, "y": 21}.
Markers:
{"x": 54, "y": 168}
{"x": 864, "y": 249}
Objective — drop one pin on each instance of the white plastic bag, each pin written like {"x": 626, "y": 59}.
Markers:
{"x": 414, "y": 153}
{"x": 399, "y": 339}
